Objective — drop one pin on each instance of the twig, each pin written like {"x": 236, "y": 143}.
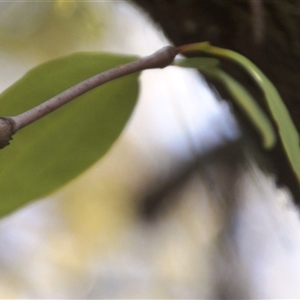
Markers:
{"x": 257, "y": 9}
{"x": 10, "y": 125}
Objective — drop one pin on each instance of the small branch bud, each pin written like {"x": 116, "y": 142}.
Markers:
{"x": 161, "y": 58}
{"x": 6, "y": 131}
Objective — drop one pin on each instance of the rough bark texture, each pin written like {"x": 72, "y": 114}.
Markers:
{"x": 267, "y": 32}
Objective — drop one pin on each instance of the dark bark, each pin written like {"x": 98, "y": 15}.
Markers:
{"x": 267, "y": 32}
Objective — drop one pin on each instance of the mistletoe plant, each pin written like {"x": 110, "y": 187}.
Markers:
{"x": 61, "y": 145}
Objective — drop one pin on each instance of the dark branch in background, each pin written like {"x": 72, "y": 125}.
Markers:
{"x": 10, "y": 125}
{"x": 157, "y": 198}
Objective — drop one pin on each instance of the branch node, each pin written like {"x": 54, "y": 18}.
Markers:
{"x": 6, "y": 131}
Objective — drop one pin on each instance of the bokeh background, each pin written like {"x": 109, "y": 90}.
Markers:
{"x": 111, "y": 233}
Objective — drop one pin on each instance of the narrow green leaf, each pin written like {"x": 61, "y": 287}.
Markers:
{"x": 197, "y": 62}
{"x": 287, "y": 130}
{"x": 240, "y": 94}
{"x": 52, "y": 151}
{"x": 248, "y": 105}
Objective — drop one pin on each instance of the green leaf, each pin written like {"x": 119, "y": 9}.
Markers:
{"x": 246, "y": 102}
{"x": 240, "y": 94}
{"x": 52, "y": 151}
{"x": 286, "y": 128}
{"x": 197, "y": 62}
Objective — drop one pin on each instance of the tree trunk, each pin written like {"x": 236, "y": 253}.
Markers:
{"x": 267, "y": 32}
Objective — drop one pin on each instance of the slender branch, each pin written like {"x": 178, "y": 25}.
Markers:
{"x": 10, "y": 125}
{"x": 257, "y": 9}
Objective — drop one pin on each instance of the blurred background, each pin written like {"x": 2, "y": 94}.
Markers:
{"x": 146, "y": 220}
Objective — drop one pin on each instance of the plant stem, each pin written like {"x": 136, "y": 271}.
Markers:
{"x": 10, "y": 125}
